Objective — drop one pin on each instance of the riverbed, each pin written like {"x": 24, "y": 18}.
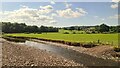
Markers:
{"x": 14, "y": 54}
{"x": 70, "y": 54}
{"x": 74, "y": 57}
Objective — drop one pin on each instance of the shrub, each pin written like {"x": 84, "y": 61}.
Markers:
{"x": 87, "y": 32}
{"x": 116, "y": 49}
{"x": 74, "y": 33}
{"x": 39, "y": 33}
{"x": 89, "y": 45}
{"x": 66, "y": 33}
{"x": 27, "y": 33}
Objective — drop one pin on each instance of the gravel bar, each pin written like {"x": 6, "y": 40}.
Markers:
{"x": 20, "y": 55}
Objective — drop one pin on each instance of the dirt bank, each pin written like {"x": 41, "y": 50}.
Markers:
{"x": 20, "y": 55}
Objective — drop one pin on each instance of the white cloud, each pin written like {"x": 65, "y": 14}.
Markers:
{"x": 52, "y": 2}
{"x": 114, "y": 6}
{"x": 69, "y": 13}
{"x": 115, "y": 17}
{"x": 23, "y": 6}
{"x": 68, "y": 5}
{"x": 115, "y": 0}
{"x": 53, "y": 21}
{"x": 45, "y": 9}
{"x": 29, "y": 15}
{"x": 81, "y": 10}
{"x": 54, "y": 15}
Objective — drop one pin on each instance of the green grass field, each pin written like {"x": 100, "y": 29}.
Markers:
{"x": 83, "y": 38}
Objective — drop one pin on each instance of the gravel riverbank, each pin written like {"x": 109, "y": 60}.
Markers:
{"x": 20, "y": 55}
{"x": 14, "y": 54}
{"x": 103, "y": 51}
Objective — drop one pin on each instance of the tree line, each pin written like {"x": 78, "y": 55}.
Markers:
{"x": 8, "y": 27}
{"x": 103, "y": 28}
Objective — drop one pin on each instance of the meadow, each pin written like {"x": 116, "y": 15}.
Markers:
{"x": 110, "y": 39}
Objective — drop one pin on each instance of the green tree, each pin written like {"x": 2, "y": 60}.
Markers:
{"x": 104, "y": 28}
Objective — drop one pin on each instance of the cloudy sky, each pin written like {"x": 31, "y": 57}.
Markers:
{"x": 61, "y": 14}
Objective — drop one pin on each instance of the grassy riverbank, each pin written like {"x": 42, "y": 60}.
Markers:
{"x": 110, "y": 39}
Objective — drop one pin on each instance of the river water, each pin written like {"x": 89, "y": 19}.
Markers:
{"x": 70, "y": 54}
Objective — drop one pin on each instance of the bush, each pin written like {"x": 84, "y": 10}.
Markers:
{"x": 87, "y": 32}
{"x": 74, "y": 33}
{"x": 39, "y": 33}
{"x": 116, "y": 49}
{"x": 27, "y": 33}
{"x": 89, "y": 45}
{"x": 93, "y": 32}
{"x": 66, "y": 33}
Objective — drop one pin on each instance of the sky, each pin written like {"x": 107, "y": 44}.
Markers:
{"x": 58, "y": 0}
{"x": 61, "y": 14}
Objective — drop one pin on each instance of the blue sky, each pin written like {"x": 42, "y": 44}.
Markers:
{"x": 57, "y": 0}
{"x": 90, "y": 13}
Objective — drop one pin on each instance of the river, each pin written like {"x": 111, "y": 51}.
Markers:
{"x": 70, "y": 54}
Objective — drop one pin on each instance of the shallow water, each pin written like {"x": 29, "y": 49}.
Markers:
{"x": 70, "y": 54}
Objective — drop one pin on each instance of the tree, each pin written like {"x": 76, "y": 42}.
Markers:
{"x": 72, "y": 28}
{"x": 104, "y": 28}
{"x": 118, "y": 28}
{"x": 8, "y": 27}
